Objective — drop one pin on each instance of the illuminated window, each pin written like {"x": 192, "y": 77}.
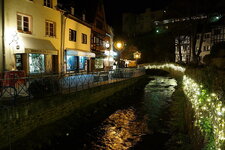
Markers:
{"x": 23, "y": 23}
{"x": 37, "y": 63}
{"x": 72, "y": 64}
{"x": 19, "y": 61}
{"x": 84, "y": 38}
{"x": 82, "y": 62}
{"x": 48, "y": 3}
{"x": 99, "y": 63}
{"x": 50, "y": 28}
{"x": 72, "y": 35}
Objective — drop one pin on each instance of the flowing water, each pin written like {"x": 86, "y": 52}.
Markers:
{"x": 142, "y": 125}
{"x": 137, "y": 122}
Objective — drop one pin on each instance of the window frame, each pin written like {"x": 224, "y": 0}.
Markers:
{"x": 48, "y": 30}
{"x": 48, "y": 3}
{"x": 72, "y": 35}
{"x": 84, "y": 38}
{"x": 43, "y": 64}
{"x": 22, "y": 23}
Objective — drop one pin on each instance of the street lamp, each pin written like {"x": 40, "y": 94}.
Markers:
{"x": 137, "y": 55}
{"x": 119, "y": 45}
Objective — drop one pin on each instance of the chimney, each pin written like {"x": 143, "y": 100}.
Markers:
{"x": 72, "y": 10}
{"x": 83, "y": 17}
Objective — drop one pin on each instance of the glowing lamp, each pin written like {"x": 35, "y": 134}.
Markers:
{"x": 137, "y": 55}
{"x": 119, "y": 45}
{"x": 107, "y": 45}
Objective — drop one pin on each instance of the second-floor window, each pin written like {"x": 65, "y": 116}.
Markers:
{"x": 84, "y": 38}
{"x": 50, "y": 28}
{"x": 72, "y": 35}
{"x": 48, "y": 3}
{"x": 23, "y": 23}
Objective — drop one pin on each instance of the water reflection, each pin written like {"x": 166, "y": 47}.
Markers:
{"x": 125, "y": 128}
{"x": 121, "y": 130}
{"x": 157, "y": 99}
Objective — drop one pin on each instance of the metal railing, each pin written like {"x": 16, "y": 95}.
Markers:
{"x": 49, "y": 85}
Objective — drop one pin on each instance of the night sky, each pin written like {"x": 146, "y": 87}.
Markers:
{"x": 115, "y": 8}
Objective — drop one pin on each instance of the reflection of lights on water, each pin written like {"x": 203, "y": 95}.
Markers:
{"x": 122, "y": 130}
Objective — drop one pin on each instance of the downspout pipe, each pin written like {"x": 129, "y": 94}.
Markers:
{"x": 63, "y": 27}
{"x": 3, "y": 35}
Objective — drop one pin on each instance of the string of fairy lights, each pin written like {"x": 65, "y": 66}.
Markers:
{"x": 166, "y": 66}
{"x": 209, "y": 109}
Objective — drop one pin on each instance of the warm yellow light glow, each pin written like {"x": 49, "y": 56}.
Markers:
{"x": 137, "y": 55}
{"x": 166, "y": 66}
{"x": 212, "y": 109}
{"x": 119, "y": 45}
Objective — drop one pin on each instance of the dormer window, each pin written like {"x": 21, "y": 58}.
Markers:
{"x": 48, "y": 3}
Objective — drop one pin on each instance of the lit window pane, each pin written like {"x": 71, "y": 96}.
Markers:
{"x": 37, "y": 63}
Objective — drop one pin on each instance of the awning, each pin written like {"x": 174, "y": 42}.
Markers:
{"x": 37, "y": 46}
{"x": 79, "y": 53}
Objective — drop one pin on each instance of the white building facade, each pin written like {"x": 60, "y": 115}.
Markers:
{"x": 39, "y": 38}
{"x": 32, "y": 36}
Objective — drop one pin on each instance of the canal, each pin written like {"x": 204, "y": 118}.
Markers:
{"x": 140, "y": 120}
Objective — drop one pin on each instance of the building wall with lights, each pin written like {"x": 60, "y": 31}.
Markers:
{"x": 77, "y": 45}
{"x": 101, "y": 40}
{"x": 183, "y": 49}
{"x": 32, "y": 21}
{"x": 184, "y": 45}
{"x": 79, "y": 28}
{"x": 34, "y": 31}
{"x": 218, "y": 34}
